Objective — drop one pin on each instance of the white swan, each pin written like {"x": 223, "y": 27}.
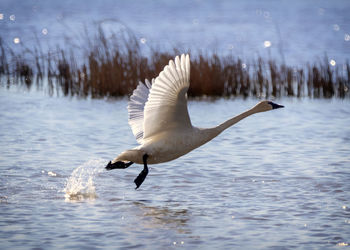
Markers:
{"x": 159, "y": 119}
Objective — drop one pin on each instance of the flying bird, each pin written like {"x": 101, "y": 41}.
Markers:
{"x": 159, "y": 119}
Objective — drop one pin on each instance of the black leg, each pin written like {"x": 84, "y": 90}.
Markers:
{"x": 118, "y": 165}
{"x": 142, "y": 176}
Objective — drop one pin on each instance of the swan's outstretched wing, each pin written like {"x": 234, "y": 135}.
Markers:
{"x": 136, "y": 109}
{"x": 166, "y": 107}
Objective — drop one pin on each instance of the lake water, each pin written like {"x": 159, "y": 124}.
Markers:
{"x": 303, "y": 31}
{"x": 279, "y": 179}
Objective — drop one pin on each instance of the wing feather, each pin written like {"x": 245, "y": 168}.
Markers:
{"x": 161, "y": 105}
{"x": 166, "y": 107}
{"x": 136, "y": 109}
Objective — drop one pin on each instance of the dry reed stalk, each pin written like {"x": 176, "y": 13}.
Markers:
{"x": 114, "y": 66}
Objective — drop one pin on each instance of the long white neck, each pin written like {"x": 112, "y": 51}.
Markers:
{"x": 234, "y": 120}
{"x": 210, "y": 133}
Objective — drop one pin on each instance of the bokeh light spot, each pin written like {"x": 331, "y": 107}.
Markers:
{"x": 44, "y": 31}
{"x": 1, "y": 16}
{"x": 332, "y": 62}
{"x": 16, "y": 40}
{"x": 347, "y": 37}
{"x": 12, "y": 17}
{"x": 143, "y": 40}
{"x": 267, "y": 44}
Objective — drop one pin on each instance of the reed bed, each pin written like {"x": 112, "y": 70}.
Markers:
{"x": 113, "y": 66}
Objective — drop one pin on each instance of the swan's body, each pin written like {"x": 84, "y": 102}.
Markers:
{"x": 167, "y": 145}
{"x": 159, "y": 119}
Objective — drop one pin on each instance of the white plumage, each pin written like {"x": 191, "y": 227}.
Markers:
{"x": 135, "y": 108}
{"x": 160, "y": 122}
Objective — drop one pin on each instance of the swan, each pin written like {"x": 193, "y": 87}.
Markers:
{"x": 159, "y": 120}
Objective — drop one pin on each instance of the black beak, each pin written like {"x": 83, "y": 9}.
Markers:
{"x": 275, "y": 105}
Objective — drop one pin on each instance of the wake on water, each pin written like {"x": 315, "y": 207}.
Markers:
{"x": 80, "y": 185}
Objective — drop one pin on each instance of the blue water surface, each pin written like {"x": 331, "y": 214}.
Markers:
{"x": 275, "y": 180}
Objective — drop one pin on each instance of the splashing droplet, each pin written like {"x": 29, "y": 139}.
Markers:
{"x": 50, "y": 173}
{"x": 80, "y": 185}
{"x": 342, "y": 244}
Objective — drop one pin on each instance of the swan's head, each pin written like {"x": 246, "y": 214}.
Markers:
{"x": 266, "y": 106}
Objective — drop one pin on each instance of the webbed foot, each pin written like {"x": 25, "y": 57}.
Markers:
{"x": 118, "y": 165}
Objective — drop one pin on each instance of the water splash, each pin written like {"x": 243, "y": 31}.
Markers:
{"x": 80, "y": 185}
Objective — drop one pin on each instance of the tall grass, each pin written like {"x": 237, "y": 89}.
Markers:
{"x": 113, "y": 66}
